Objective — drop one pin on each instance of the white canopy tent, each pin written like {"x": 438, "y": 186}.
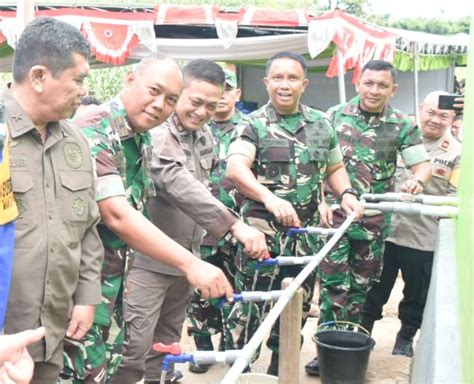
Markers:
{"x": 333, "y": 42}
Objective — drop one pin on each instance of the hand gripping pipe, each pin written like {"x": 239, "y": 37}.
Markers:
{"x": 300, "y": 260}
{"x": 407, "y": 197}
{"x": 413, "y": 209}
{"x": 249, "y": 350}
{"x": 175, "y": 355}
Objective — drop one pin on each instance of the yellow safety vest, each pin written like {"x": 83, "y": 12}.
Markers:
{"x": 8, "y": 208}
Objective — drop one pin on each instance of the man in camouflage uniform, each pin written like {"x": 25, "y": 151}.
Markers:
{"x": 278, "y": 161}
{"x": 182, "y": 161}
{"x": 121, "y": 149}
{"x": 410, "y": 247}
{"x": 204, "y": 316}
{"x": 370, "y": 133}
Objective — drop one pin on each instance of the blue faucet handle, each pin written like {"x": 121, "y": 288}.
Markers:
{"x": 295, "y": 231}
{"x": 223, "y": 300}
{"x": 267, "y": 262}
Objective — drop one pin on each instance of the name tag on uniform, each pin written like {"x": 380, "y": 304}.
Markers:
{"x": 271, "y": 142}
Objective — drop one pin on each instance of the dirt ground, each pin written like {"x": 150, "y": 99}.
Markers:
{"x": 384, "y": 368}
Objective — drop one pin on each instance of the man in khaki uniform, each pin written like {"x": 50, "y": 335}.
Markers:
{"x": 410, "y": 248}
{"x": 58, "y": 253}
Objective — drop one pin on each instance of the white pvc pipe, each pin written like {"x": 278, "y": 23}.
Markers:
{"x": 414, "y": 209}
{"x": 321, "y": 231}
{"x": 251, "y": 347}
{"x": 407, "y": 197}
{"x": 415, "y": 81}
{"x": 261, "y": 295}
{"x": 340, "y": 77}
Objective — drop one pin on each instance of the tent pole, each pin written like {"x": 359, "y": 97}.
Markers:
{"x": 340, "y": 77}
{"x": 25, "y": 12}
{"x": 415, "y": 81}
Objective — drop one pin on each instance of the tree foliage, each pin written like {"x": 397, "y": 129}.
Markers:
{"x": 357, "y": 8}
{"x": 435, "y": 25}
{"x": 105, "y": 83}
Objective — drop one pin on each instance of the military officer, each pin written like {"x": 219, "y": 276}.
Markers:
{"x": 371, "y": 133}
{"x": 410, "y": 247}
{"x": 278, "y": 161}
{"x": 121, "y": 148}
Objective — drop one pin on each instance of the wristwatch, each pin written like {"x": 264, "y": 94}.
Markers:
{"x": 350, "y": 190}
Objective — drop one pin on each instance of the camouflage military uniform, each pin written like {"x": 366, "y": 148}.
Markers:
{"x": 204, "y": 317}
{"x": 290, "y": 156}
{"x": 370, "y": 154}
{"x": 122, "y": 165}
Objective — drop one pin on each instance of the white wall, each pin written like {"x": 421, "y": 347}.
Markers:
{"x": 438, "y": 352}
{"x": 322, "y": 91}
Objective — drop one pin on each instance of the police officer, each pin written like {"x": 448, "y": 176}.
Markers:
{"x": 121, "y": 148}
{"x": 371, "y": 133}
{"x": 278, "y": 161}
{"x": 204, "y": 317}
{"x": 410, "y": 247}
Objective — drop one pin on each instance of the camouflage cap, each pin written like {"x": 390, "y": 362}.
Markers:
{"x": 230, "y": 78}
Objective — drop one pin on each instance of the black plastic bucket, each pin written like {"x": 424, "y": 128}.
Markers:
{"x": 343, "y": 356}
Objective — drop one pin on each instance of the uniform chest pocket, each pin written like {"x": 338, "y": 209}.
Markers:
{"x": 317, "y": 150}
{"x": 273, "y": 165}
{"x": 22, "y": 185}
{"x": 441, "y": 172}
{"x": 206, "y": 163}
{"x": 385, "y": 146}
{"x": 318, "y": 142}
{"x": 318, "y": 153}
{"x": 76, "y": 196}
{"x": 188, "y": 161}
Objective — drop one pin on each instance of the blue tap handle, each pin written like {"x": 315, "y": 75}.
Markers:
{"x": 223, "y": 300}
{"x": 266, "y": 263}
{"x": 295, "y": 231}
{"x": 181, "y": 358}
